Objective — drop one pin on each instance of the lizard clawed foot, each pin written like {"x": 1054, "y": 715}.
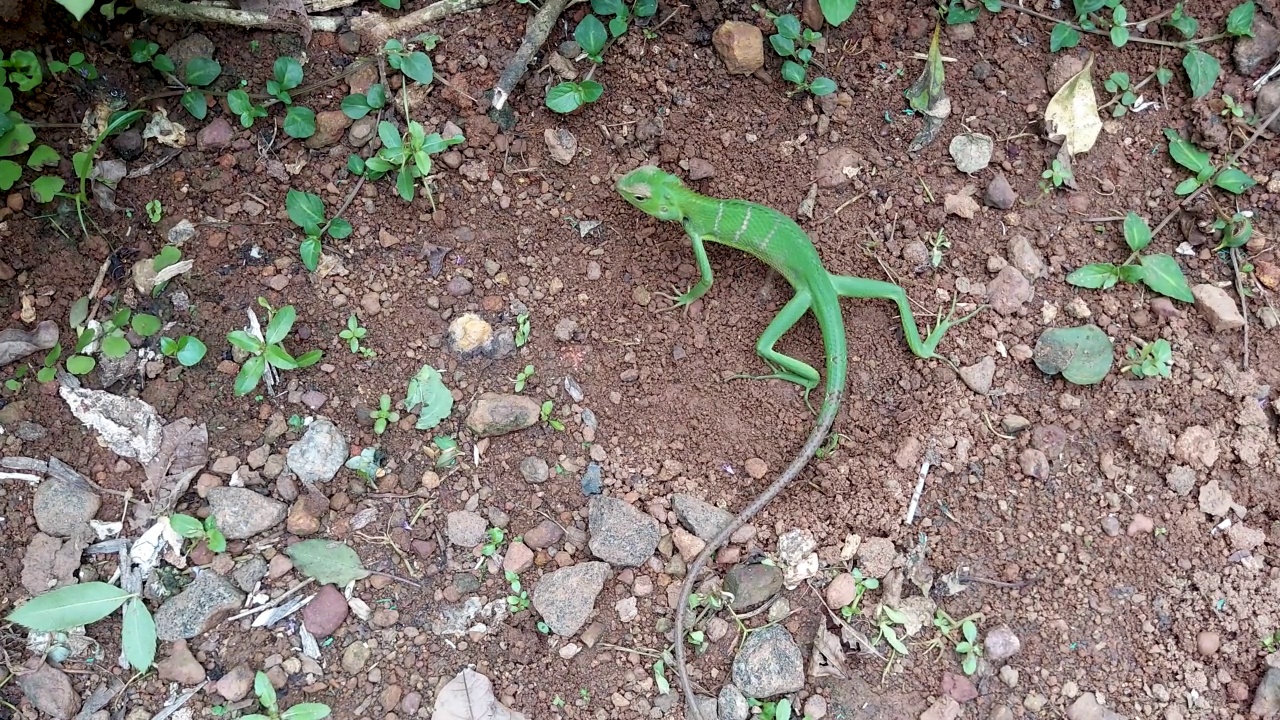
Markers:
{"x": 681, "y": 300}
{"x": 780, "y": 375}
{"x": 945, "y": 323}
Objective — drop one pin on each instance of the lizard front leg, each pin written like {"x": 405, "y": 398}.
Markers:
{"x": 699, "y": 288}
{"x": 856, "y": 287}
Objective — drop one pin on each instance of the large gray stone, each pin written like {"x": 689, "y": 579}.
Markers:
{"x": 565, "y": 598}
{"x": 701, "y": 518}
{"x": 197, "y": 608}
{"x": 64, "y": 502}
{"x": 319, "y": 455}
{"x": 620, "y": 534}
{"x": 769, "y": 664}
{"x": 242, "y": 513}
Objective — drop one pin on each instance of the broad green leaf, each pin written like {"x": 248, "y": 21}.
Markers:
{"x": 784, "y": 46}
{"x": 45, "y": 188}
{"x": 1063, "y": 36}
{"x": 263, "y": 688}
{"x": 77, "y": 8}
{"x": 191, "y": 351}
{"x": 1240, "y": 20}
{"x": 18, "y": 139}
{"x": 280, "y": 325}
{"x": 280, "y": 358}
{"x": 1202, "y": 70}
{"x": 647, "y": 8}
{"x": 1098, "y": 276}
{"x": 355, "y": 164}
{"x": 69, "y": 607}
{"x": 249, "y": 375}
{"x": 1083, "y": 355}
{"x": 389, "y": 136}
{"x": 339, "y": 229}
{"x": 822, "y": 86}
{"x": 287, "y": 72}
{"x": 1234, "y": 180}
{"x": 377, "y": 95}
{"x": 1137, "y": 233}
{"x": 164, "y": 64}
{"x": 145, "y": 325}
{"x": 10, "y": 173}
{"x": 327, "y": 561}
{"x": 417, "y": 65}
{"x": 1164, "y": 75}
{"x": 564, "y": 98}
{"x": 186, "y": 526}
{"x": 309, "y": 251}
{"x": 1185, "y": 154}
{"x": 1188, "y": 186}
{"x": 618, "y": 27}
{"x": 835, "y": 12}
{"x": 355, "y": 106}
{"x": 306, "y": 711}
{"x": 970, "y": 630}
{"x": 305, "y": 209}
{"x": 428, "y": 390}
{"x": 138, "y": 635}
{"x": 42, "y": 157}
{"x": 6, "y": 104}
{"x": 244, "y": 341}
{"x": 608, "y": 7}
{"x": 958, "y": 14}
{"x": 591, "y": 92}
{"x": 309, "y": 358}
{"x": 115, "y": 346}
{"x": 1183, "y": 23}
{"x": 1131, "y": 273}
{"x": 201, "y": 71}
{"x": 1162, "y": 274}
{"x": 590, "y": 35}
{"x": 793, "y": 72}
{"x": 404, "y": 184}
{"x": 1119, "y": 36}
{"x": 299, "y": 122}
{"x": 196, "y": 103}
{"x": 238, "y": 101}
{"x": 788, "y": 26}
{"x": 82, "y": 163}
{"x": 80, "y": 364}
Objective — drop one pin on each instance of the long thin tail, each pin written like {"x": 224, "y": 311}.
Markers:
{"x": 836, "y": 374}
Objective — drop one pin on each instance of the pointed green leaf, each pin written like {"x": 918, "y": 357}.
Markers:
{"x": 249, "y": 375}
{"x": 299, "y": 122}
{"x": 280, "y": 325}
{"x": 69, "y": 607}
{"x": 10, "y": 173}
{"x": 42, "y": 157}
{"x": 1137, "y": 234}
{"x": 138, "y": 635}
{"x": 1063, "y": 36}
{"x": 200, "y": 71}
{"x": 1202, "y": 70}
{"x": 306, "y": 210}
{"x": 327, "y": 561}
{"x": 1240, "y": 20}
{"x": 1234, "y": 180}
{"x": 1098, "y": 276}
{"x": 1162, "y": 274}
{"x": 196, "y": 103}
{"x": 306, "y": 711}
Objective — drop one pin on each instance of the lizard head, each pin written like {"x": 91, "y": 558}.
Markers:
{"x": 652, "y": 190}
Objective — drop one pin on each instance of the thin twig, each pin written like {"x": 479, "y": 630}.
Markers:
{"x": 1077, "y": 28}
{"x": 535, "y": 35}
{"x": 269, "y": 604}
{"x": 1244, "y": 304}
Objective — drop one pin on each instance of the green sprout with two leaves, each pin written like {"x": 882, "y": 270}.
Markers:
{"x": 861, "y": 585}
{"x": 1153, "y": 359}
{"x": 793, "y": 42}
{"x": 545, "y": 415}
{"x": 192, "y": 529}
{"x": 299, "y": 121}
{"x": 1232, "y": 179}
{"x": 269, "y": 349}
{"x": 383, "y": 415}
{"x": 306, "y": 210}
{"x": 966, "y": 644}
{"x": 1158, "y": 271}
{"x": 353, "y": 334}
{"x": 522, "y": 377}
{"x": 522, "y": 329}
{"x": 266, "y": 694}
{"x": 518, "y": 600}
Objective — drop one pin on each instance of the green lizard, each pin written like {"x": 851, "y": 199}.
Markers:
{"x": 781, "y": 244}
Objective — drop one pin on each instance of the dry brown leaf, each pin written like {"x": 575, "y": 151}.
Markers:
{"x": 184, "y": 450}
{"x": 828, "y": 656}
{"x": 469, "y": 696}
{"x": 1072, "y": 114}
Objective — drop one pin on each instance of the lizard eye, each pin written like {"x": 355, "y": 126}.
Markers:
{"x": 640, "y": 196}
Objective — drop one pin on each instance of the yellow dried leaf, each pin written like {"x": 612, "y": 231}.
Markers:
{"x": 1072, "y": 114}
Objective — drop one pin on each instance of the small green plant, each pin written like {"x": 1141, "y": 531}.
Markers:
{"x": 446, "y": 451}
{"x": 792, "y": 42}
{"x": 862, "y": 585}
{"x": 1270, "y": 643}
{"x": 356, "y": 106}
{"x": 547, "y": 408}
{"x": 772, "y": 709}
{"x": 1056, "y": 175}
{"x": 197, "y": 74}
{"x": 269, "y": 349}
{"x": 383, "y": 415}
{"x": 192, "y": 529}
{"x": 296, "y": 423}
{"x": 1153, "y": 359}
{"x": 415, "y": 64}
{"x": 1158, "y": 271}
{"x": 407, "y": 155}
{"x": 1231, "y": 179}
{"x": 543, "y": 628}
{"x": 968, "y": 649}
{"x": 77, "y": 62}
{"x": 243, "y": 107}
{"x": 957, "y": 12}
{"x": 306, "y": 210}
{"x": 155, "y": 211}
{"x": 937, "y": 248}
{"x": 522, "y": 329}
{"x": 518, "y": 600}
{"x": 14, "y": 383}
{"x": 1231, "y": 108}
{"x": 86, "y": 603}
{"x": 1235, "y": 232}
{"x": 621, "y": 13}
{"x": 496, "y": 536}
{"x": 266, "y": 693}
{"x": 698, "y": 639}
{"x": 353, "y": 333}
{"x": 299, "y": 121}
{"x": 1118, "y": 82}
{"x": 187, "y": 350}
{"x": 568, "y": 96}
{"x": 886, "y": 620}
{"x": 522, "y": 377}
{"x": 585, "y": 694}
{"x": 556, "y": 701}
{"x": 146, "y": 52}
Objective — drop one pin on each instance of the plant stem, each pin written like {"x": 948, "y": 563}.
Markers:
{"x": 1077, "y": 28}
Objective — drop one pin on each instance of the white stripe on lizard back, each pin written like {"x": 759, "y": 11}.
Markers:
{"x": 746, "y": 219}
{"x": 715, "y": 227}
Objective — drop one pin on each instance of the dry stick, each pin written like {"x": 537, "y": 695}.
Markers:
{"x": 189, "y": 12}
{"x": 1077, "y": 28}
{"x": 376, "y": 28}
{"x": 534, "y": 36}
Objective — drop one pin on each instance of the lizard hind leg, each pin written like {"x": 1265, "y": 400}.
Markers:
{"x": 785, "y": 367}
{"x": 856, "y": 287}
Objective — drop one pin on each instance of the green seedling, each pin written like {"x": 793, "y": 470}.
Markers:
{"x": 299, "y": 122}
{"x": 522, "y": 377}
{"x": 296, "y": 423}
{"x": 835, "y": 12}
{"x": 356, "y": 106}
{"x": 886, "y": 620}
{"x": 268, "y": 350}
{"x": 522, "y": 329}
{"x": 518, "y": 600}
{"x": 496, "y": 536}
{"x": 243, "y": 107}
{"x": 957, "y": 12}
{"x": 968, "y": 649}
{"x": 306, "y": 210}
{"x": 792, "y": 42}
{"x": 568, "y": 96}
{"x": 14, "y": 384}
{"x": 698, "y": 639}
{"x": 146, "y": 52}
{"x": 77, "y": 62}
{"x": 772, "y": 709}
{"x": 585, "y": 694}
{"x": 1235, "y": 232}
{"x": 353, "y": 333}
{"x": 621, "y": 13}
{"x": 86, "y": 603}
{"x": 829, "y": 446}
{"x": 557, "y": 701}
{"x": 591, "y": 37}
{"x": 937, "y": 248}
{"x": 1231, "y": 179}
{"x": 266, "y": 694}
{"x": 1270, "y": 643}
{"x": 1158, "y": 271}
{"x": 187, "y": 350}
{"x": 155, "y": 211}
{"x": 697, "y": 600}
{"x": 415, "y": 64}
{"x": 1056, "y": 175}
{"x": 862, "y": 585}
{"x": 109, "y": 336}
{"x": 1231, "y": 108}
{"x": 45, "y": 189}
{"x": 192, "y": 529}
{"x": 197, "y": 74}
{"x": 1153, "y": 359}
{"x": 660, "y": 677}
{"x": 543, "y": 628}
{"x": 407, "y": 155}
{"x": 547, "y": 408}
{"x": 1119, "y": 82}
{"x": 383, "y": 415}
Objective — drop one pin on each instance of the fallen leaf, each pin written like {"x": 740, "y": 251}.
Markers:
{"x": 130, "y": 427}
{"x": 469, "y": 696}
{"x": 1072, "y": 114}
{"x": 1083, "y": 355}
{"x": 928, "y": 97}
{"x": 963, "y": 205}
{"x": 164, "y": 130}
{"x": 184, "y": 450}
{"x": 1267, "y": 273}
{"x": 828, "y": 656}
{"x": 810, "y": 200}
{"x": 17, "y": 343}
{"x": 327, "y": 561}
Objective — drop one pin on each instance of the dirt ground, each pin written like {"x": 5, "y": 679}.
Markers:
{"x": 1110, "y": 574}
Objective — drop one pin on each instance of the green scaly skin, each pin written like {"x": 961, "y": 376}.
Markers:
{"x": 779, "y": 242}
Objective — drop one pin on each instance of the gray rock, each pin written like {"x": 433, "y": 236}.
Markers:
{"x": 1251, "y": 52}
{"x": 236, "y": 683}
{"x": 217, "y": 135}
{"x": 1001, "y": 644}
{"x": 591, "y": 482}
{"x": 732, "y": 705}
{"x": 465, "y": 528}
{"x": 51, "y": 562}
{"x": 1267, "y": 101}
{"x": 700, "y": 518}
{"x": 1000, "y": 193}
{"x": 752, "y": 585}
{"x": 248, "y": 573}
{"x": 355, "y": 657}
{"x": 64, "y": 502}
{"x": 49, "y": 690}
{"x": 1266, "y": 699}
{"x": 129, "y": 426}
{"x": 318, "y": 456}
{"x": 197, "y": 608}
{"x": 535, "y": 470}
{"x": 243, "y": 513}
{"x": 706, "y": 707}
{"x": 971, "y": 152}
{"x": 496, "y": 414}
{"x": 1087, "y": 707}
{"x": 980, "y": 375}
{"x": 16, "y": 343}
{"x": 620, "y": 534}
{"x": 876, "y": 556}
{"x": 561, "y": 145}
{"x": 769, "y": 664}
{"x": 565, "y": 598}
{"x": 1024, "y": 256}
